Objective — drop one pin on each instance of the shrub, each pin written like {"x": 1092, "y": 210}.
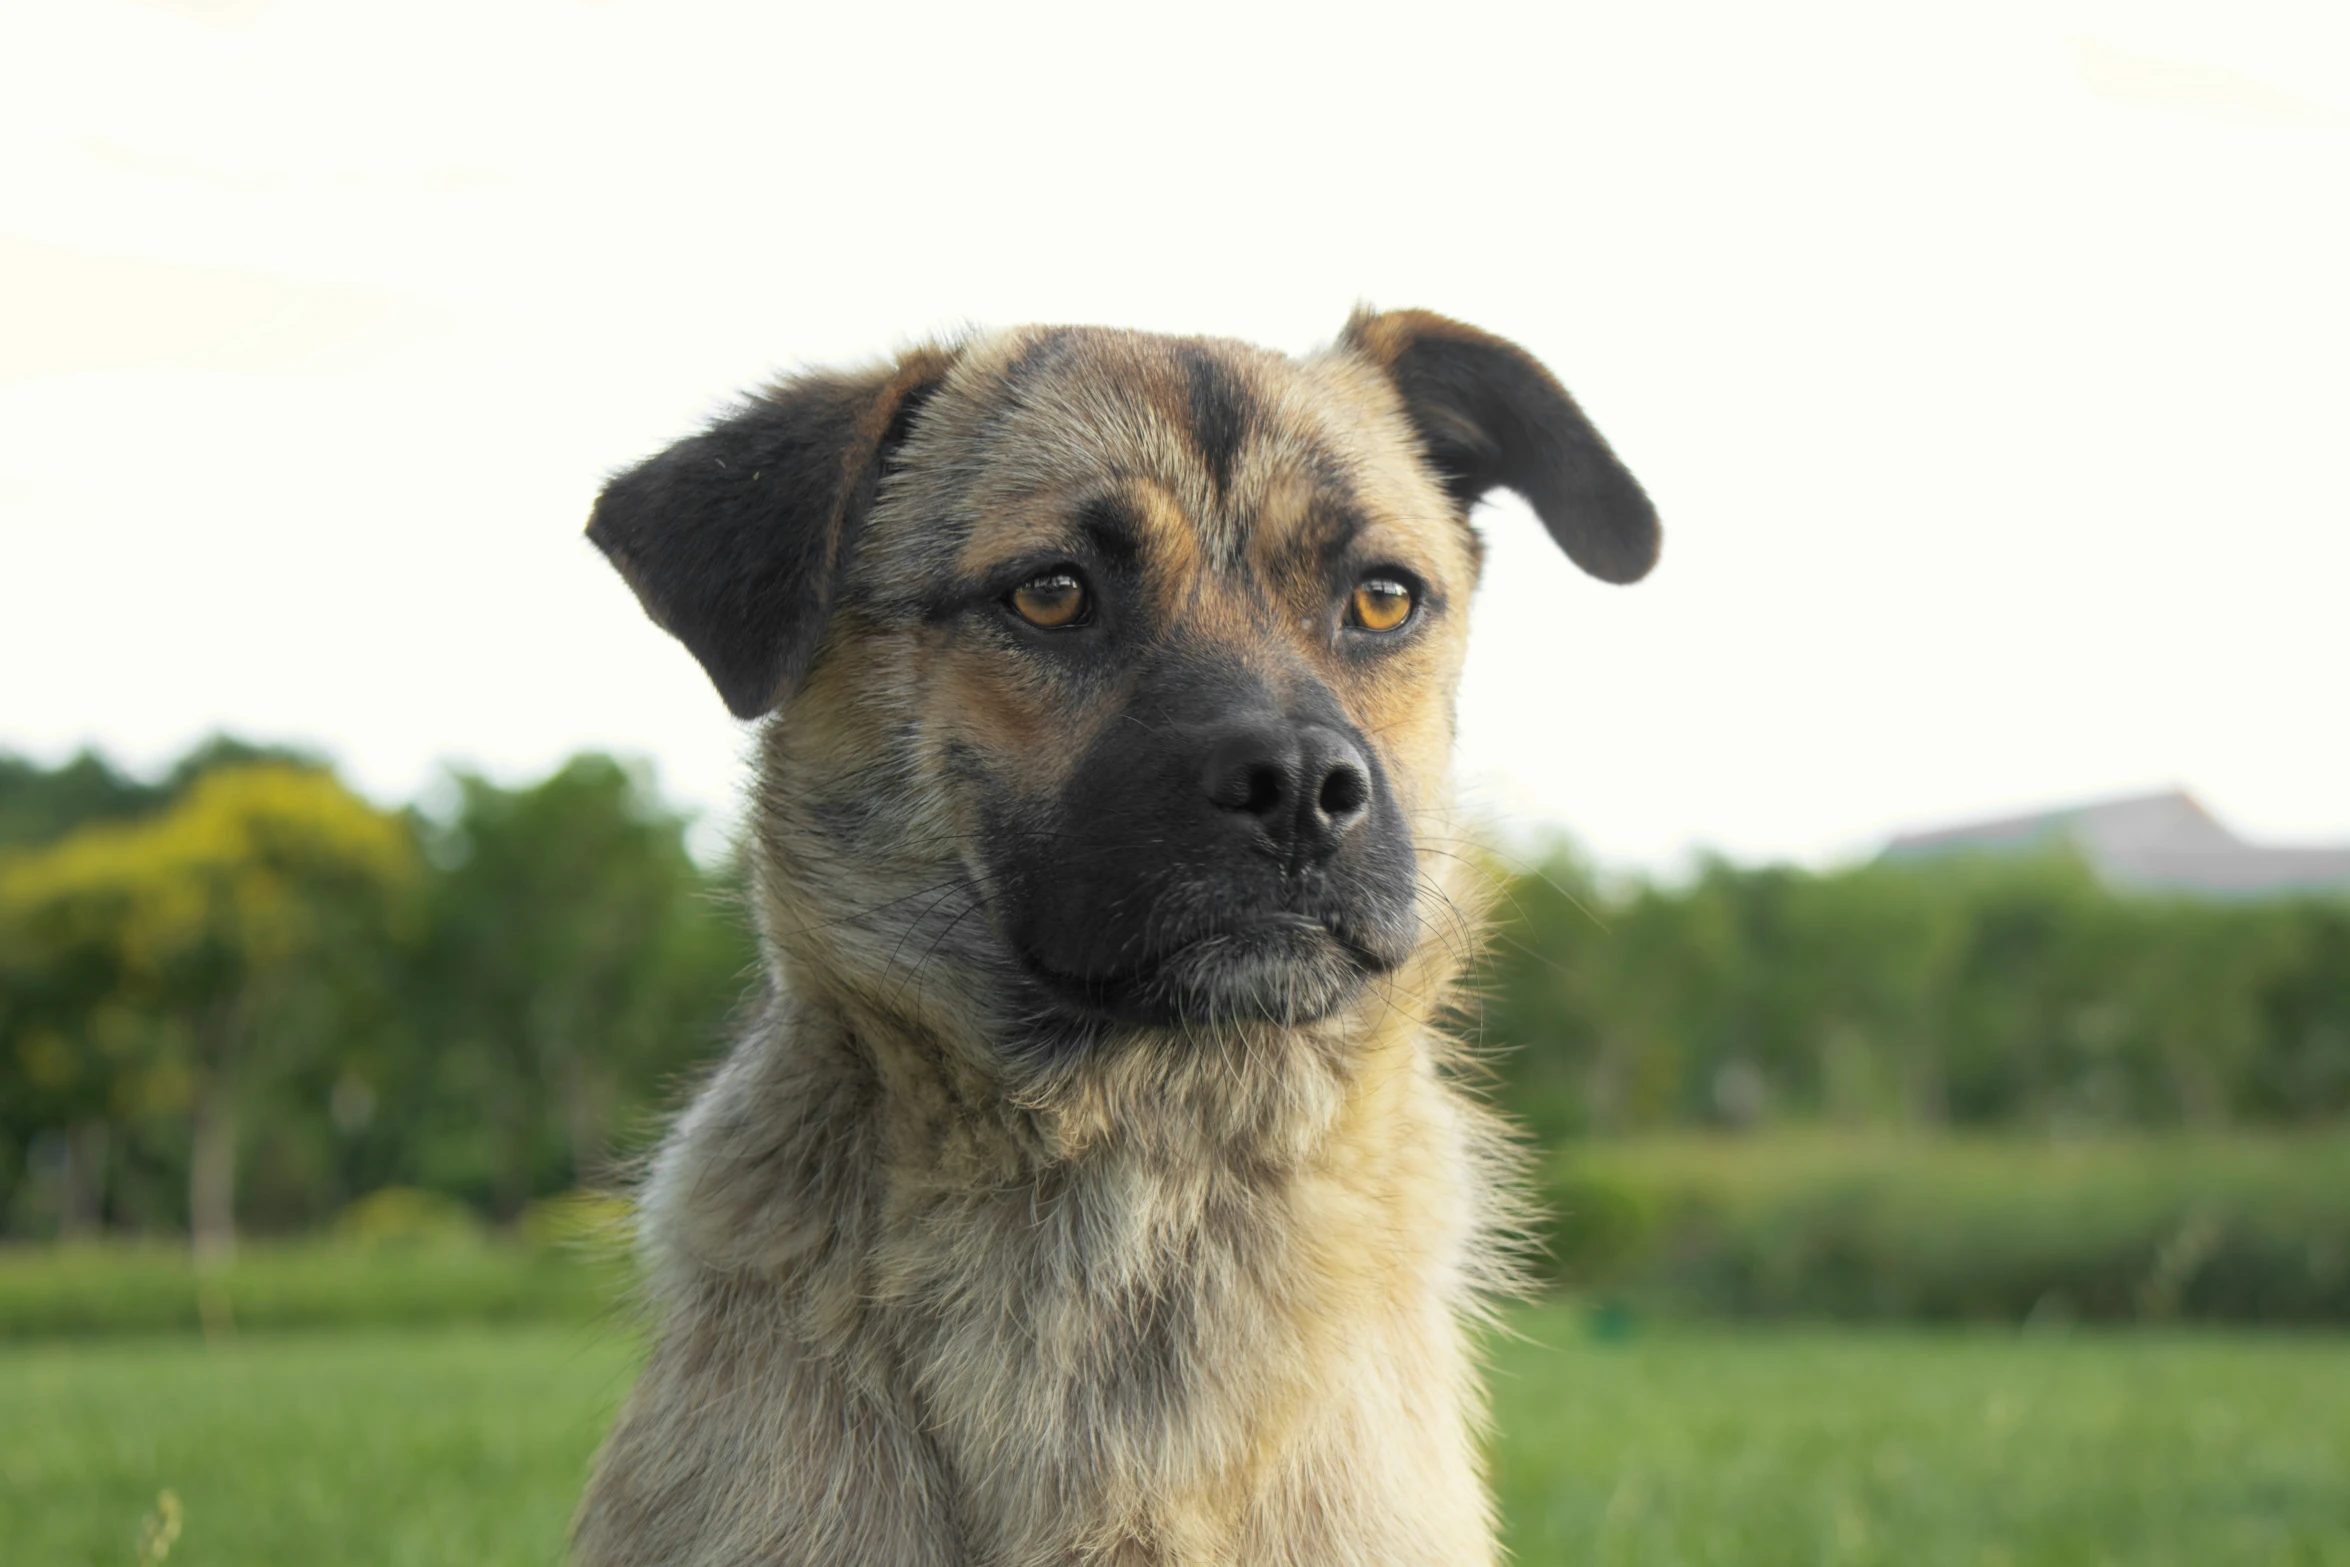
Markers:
{"x": 2236, "y": 1229}
{"x": 407, "y": 1216}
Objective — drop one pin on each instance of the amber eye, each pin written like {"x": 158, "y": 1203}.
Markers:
{"x": 1053, "y": 601}
{"x": 1380, "y": 604}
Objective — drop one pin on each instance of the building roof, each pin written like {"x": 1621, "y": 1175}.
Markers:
{"x": 2165, "y": 842}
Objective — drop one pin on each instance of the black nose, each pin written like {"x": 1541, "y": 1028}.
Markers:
{"x": 1302, "y": 785}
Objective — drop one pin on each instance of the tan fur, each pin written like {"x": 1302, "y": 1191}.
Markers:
{"x": 1197, "y": 1299}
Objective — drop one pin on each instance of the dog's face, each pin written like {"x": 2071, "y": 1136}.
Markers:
{"x": 1115, "y": 672}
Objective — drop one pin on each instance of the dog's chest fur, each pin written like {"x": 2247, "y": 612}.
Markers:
{"x": 1044, "y": 1338}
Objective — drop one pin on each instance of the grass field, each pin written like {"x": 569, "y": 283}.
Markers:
{"x": 407, "y": 1447}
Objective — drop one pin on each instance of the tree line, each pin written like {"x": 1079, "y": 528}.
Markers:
{"x": 241, "y": 995}
{"x": 1977, "y": 991}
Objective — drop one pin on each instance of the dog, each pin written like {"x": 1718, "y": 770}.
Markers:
{"x": 1094, "y": 1182}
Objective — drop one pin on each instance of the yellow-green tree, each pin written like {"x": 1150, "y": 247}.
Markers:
{"x": 216, "y": 923}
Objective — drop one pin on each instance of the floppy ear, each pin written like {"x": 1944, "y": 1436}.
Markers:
{"x": 1490, "y": 415}
{"x": 734, "y": 539}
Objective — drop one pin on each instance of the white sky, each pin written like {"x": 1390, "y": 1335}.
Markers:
{"x": 1987, "y": 362}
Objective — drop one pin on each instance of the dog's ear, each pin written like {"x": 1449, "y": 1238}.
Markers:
{"x": 735, "y": 539}
{"x": 1490, "y": 415}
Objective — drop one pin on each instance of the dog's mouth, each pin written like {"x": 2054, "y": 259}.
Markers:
{"x": 1277, "y": 967}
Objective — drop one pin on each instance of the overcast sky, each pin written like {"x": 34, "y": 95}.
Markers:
{"x": 1987, "y": 362}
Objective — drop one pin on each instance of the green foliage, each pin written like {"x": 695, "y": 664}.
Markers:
{"x": 156, "y": 968}
{"x": 245, "y": 991}
{"x": 1973, "y": 992}
{"x": 2238, "y": 1228}
{"x": 475, "y": 1008}
{"x": 41, "y": 804}
{"x": 408, "y": 1217}
{"x": 576, "y": 961}
{"x": 1713, "y": 1449}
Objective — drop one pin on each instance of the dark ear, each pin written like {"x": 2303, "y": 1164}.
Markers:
{"x": 734, "y": 539}
{"x": 1489, "y": 414}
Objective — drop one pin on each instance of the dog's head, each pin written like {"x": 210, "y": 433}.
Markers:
{"x": 1111, "y": 674}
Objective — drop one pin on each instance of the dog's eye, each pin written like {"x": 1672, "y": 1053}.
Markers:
{"x": 1380, "y": 604}
{"x": 1054, "y": 601}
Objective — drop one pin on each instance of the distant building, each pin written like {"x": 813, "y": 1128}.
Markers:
{"x": 2156, "y": 842}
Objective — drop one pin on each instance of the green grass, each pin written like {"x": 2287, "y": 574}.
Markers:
{"x": 456, "y": 1447}
{"x": 1919, "y": 1449}
{"x": 1752, "y": 1447}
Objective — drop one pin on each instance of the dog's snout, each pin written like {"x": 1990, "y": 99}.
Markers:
{"x": 1302, "y": 785}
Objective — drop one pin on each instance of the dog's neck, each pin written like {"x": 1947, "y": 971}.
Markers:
{"x": 1240, "y": 1093}
{"x": 840, "y": 1088}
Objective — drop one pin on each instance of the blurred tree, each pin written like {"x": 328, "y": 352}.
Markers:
{"x": 575, "y": 956}
{"x": 1970, "y": 991}
{"x": 39, "y": 805}
{"x": 2303, "y": 1072}
{"x": 1863, "y": 983}
{"x": 218, "y": 751}
{"x": 239, "y": 994}
{"x": 198, "y": 942}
